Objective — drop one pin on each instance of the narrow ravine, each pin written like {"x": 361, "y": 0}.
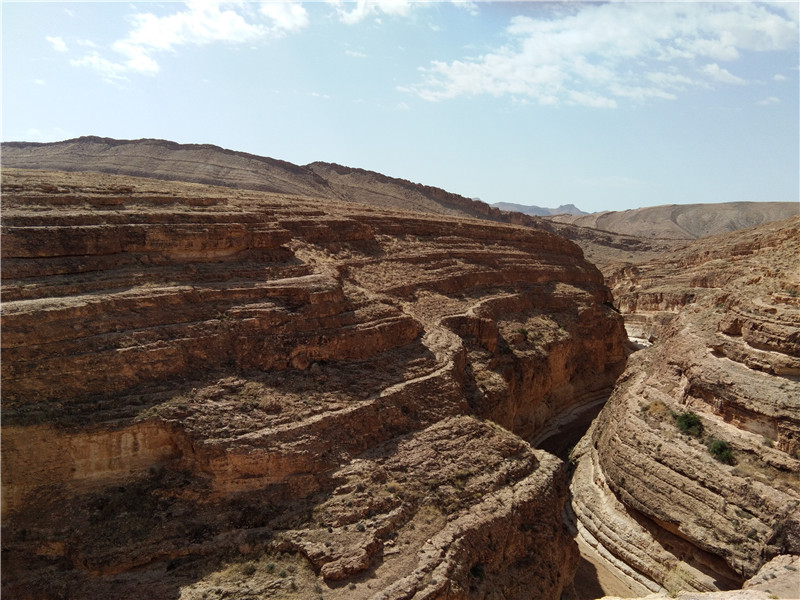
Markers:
{"x": 593, "y": 579}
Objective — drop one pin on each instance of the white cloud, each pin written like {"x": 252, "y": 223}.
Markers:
{"x": 673, "y": 80}
{"x": 58, "y": 44}
{"x": 468, "y": 5}
{"x": 108, "y": 70}
{"x": 596, "y": 54}
{"x": 351, "y": 13}
{"x": 287, "y": 16}
{"x": 717, "y": 73}
{"x": 39, "y": 82}
{"x": 768, "y": 101}
{"x": 355, "y": 54}
{"x": 201, "y": 22}
{"x": 778, "y": 77}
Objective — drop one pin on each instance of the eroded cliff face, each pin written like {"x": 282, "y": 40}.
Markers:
{"x": 690, "y": 477}
{"x": 213, "y": 393}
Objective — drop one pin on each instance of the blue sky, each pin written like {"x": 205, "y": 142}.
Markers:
{"x": 607, "y": 106}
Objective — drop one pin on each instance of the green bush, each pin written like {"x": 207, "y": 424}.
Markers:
{"x": 721, "y": 450}
{"x": 689, "y": 423}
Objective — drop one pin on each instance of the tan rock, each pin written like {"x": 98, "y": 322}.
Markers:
{"x": 655, "y": 501}
{"x": 196, "y": 374}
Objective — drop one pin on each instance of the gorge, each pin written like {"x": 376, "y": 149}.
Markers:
{"x": 293, "y": 392}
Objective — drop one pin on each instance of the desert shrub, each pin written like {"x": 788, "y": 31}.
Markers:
{"x": 721, "y": 450}
{"x": 689, "y": 423}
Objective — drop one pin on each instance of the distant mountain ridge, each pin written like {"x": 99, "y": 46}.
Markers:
{"x": 684, "y": 221}
{"x": 212, "y": 165}
{"x": 539, "y": 211}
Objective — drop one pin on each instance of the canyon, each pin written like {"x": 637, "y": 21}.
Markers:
{"x": 323, "y": 382}
{"x": 211, "y": 392}
{"x": 690, "y": 478}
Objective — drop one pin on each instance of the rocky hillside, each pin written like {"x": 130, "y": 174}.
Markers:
{"x": 684, "y": 221}
{"x": 211, "y": 392}
{"x": 690, "y": 477}
{"x": 208, "y": 164}
{"x": 160, "y": 159}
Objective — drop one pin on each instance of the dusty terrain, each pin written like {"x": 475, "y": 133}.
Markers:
{"x": 702, "y": 502}
{"x": 211, "y": 392}
{"x": 684, "y": 221}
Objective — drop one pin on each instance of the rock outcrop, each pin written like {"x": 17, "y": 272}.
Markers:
{"x": 690, "y": 477}
{"x": 779, "y": 578}
{"x": 211, "y": 392}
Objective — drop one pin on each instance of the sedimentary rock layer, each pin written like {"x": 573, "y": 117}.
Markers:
{"x": 690, "y": 477}
{"x": 213, "y": 392}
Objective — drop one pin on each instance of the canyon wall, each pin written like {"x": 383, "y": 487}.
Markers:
{"x": 211, "y": 392}
{"x": 690, "y": 477}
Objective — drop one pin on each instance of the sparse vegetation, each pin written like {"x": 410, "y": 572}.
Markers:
{"x": 689, "y": 423}
{"x": 656, "y": 410}
{"x": 393, "y": 487}
{"x": 476, "y": 571}
{"x": 721, "y": 450}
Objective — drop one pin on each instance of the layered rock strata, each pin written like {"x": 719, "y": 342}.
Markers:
{"x": 690, "y": 477}
{"x": 208, "y": 164}
{"x": 161, "y": 159}
{"x": 220, "y": 393}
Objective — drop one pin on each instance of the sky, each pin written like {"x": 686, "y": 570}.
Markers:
{"x": 608, "y": 106}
